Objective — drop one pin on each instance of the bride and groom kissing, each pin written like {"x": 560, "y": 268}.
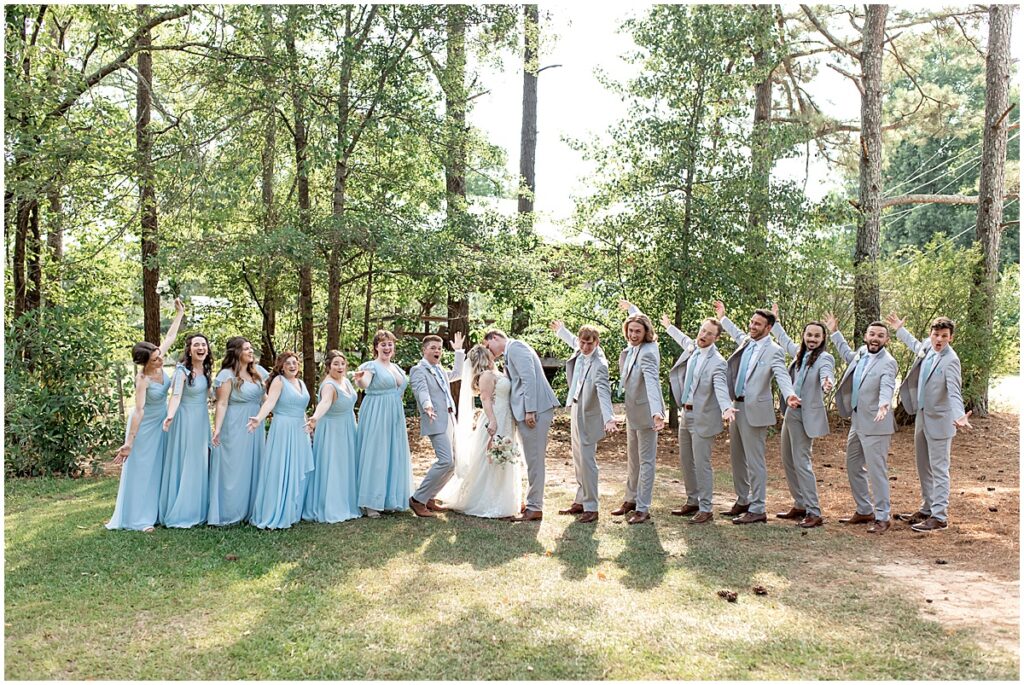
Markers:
{"x": 518, "y": 404}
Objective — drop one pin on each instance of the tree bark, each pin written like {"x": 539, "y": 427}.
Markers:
{"x": 147, "y": 184}
{"x": 988, "y": 227}
{"x": 866, "y": 299}
{"x": 302, "y": 187}
{"x": 33, "y": 260}
{"x": 268, "y": 158}
{"x": 761, "y": 159}
{"x": 455, "y": 162}
{"x": 527, "y": 145}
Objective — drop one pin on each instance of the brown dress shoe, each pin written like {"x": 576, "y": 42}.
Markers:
{"x": 736, "y": 510}
{"x": 433, "y": 505}
{"x": 576, "y": 508}
{"x": 638, "y": 517}
{"x": 686, "y": 510}
{"x": 793, "y": 513}
{"x": 916, "y": 517}
{"x": 879, "y": 527}
{"x": 811, "y": 522}
{"x": 529, "y": 515}
{"x": 929, "y": 525}
{"x": 587, "y": 517}
{"x": 750, "y": 517}
{"x": 625, "y": 508}
{"x": 420, "y": 509}
{"x": 702, "y": 517}
{"x": 858, "y": 518}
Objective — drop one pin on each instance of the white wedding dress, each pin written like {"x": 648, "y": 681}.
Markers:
{"x": 478, "y": 487}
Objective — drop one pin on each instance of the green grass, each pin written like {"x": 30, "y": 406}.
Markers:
{"x": 404, "y": 598}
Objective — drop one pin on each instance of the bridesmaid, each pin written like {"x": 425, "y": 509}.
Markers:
{"x": 385, "y": 467}
{"x": 185, "y": 482}
{"x": 143, "y": 451}
{"x": 333, "y": 489}
{"x": 287, "y": 456}
{"x": 236, "y": 453}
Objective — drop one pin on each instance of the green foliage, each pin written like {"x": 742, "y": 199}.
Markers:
{"x": 61, "y": 394}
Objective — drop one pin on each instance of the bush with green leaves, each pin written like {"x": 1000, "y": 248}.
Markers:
{"x": 61, "y": 409}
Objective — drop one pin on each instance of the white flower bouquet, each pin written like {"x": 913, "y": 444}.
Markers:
{"x": 502, "y": 451}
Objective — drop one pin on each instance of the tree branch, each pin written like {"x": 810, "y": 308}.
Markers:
{"x": 855, "y": 79}
{"x": 825, "y": 32}
{"x": 925, "y": 198}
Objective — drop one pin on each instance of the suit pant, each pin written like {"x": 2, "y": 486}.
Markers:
{"x": 641, "y": 459}
{"x": 867, "y": 461}
{"x": 796, "y": 461}
{"x": 584, "y": 461}
{"x": 535, "y": 445}
{"x": 933, "y": 470}
{"x": 441, "y": 470}
{"x": 746, "y": 451}
{"x": 695, "y": 461}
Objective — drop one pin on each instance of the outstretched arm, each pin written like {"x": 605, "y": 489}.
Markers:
{"x": 418, "y": 383}
{"x": 327, "y": 395}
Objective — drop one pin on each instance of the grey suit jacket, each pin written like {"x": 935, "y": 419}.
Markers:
{"x": 531, "y": 391}
{"x": 641, "y": 385}
{"x": 877, "y": 388}
{"x": 942, "y": 395}
{"x": 812, "y": 397}
{"x": 710, "y": 392}
{"x": 595, "y": 395}
{"x": 428, "y": 391}
{"x": 768, "y": 363}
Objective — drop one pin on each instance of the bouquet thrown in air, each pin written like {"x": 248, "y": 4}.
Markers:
{"x": 502, "y": 451}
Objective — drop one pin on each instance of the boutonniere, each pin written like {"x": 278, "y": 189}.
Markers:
{"x": 689, "y": 348}
{"x": 922, "y": 354}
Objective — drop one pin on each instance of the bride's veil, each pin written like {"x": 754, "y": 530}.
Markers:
{"x": 464, "y": 425}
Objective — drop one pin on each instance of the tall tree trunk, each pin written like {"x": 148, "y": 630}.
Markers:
{"x": 268, "y": 157}
{"x": 527, "y": 144}
{"x": 21, "y": 231}
{"x": 366, "y": 309}
{"x": 865, "y": 260}
{"x": 147, "y": 189}
{"x": 455, "y": 163}
{"x": 989, "y": 225}
{"x": 33, "y": 261}
{"x": 761, "y": 159}
{"x": 302, "y": 188}
{"x": 340, "y": 187}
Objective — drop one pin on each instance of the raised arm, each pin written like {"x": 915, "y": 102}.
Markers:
{"x": 905, "y": 336}
{"x": 141, "y": 383}
{"x": 268, "y": 404}
{"x": 564, "y": 334}
{"x": 177, "y": 387}
{"x": 734, "y": 332}
{"x": 681, "y": 338}
{"x": 790, "y": 347}
{"x": 327, "y": 395}
{"x": 172, "y": 332}
{"x": 460, "y": 358}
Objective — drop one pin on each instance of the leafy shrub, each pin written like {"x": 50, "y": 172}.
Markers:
{"x": 61, "y": 403}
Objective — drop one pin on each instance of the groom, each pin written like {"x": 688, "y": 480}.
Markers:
{"x": 533, "y": 403}
{"x": 431, "y": 386}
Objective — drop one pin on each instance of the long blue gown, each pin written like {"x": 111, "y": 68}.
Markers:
{"x": 385, "y": 466}
{"x": 138, "y": 493}
{"x": 185, "y": 481}
{"x": 333, "y": 491}
{"x": 287, "y": 461}
{"x": 235, "y": 462}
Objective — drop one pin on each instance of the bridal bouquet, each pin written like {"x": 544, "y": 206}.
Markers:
{"x": 502, "y": 451}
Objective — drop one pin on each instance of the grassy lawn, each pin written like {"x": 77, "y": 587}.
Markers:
{"x": 462, "y": 598}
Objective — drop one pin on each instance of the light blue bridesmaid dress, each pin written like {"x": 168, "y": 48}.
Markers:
{"x": 139, "y": 491}
{"x": 236, "y": 461}
{"x": 385, "y": 466}
{"x": 287, "y": 461}
{"x": 185, "y": 482}
{"x": 333, "y": 490}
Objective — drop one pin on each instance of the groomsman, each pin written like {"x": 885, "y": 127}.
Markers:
{"x": 865, "y": 396}
{"x": 752, "y": 367}
{"x": 645, "y": 413}
{"x": 590, "y": 410}
{"x": 431, "y": 386}
{"x": 931, "y": 390}
{"x": 533, "y": 402}
{"x": 699, "y": 384}
{"x": 813, "y": 374}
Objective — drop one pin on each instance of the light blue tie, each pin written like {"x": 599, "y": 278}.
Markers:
{"x": 926, "y": 369}
{"x": 800, "y": 377}
{"x": 691, "y": 371}
{"x": 741, "y": 381}
{"x": 858, "y": 374}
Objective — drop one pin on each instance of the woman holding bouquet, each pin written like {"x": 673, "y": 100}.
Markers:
{"x": 488, "y": 479}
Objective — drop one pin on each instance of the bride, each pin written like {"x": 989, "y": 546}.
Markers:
{"x": 480, "y": 487}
